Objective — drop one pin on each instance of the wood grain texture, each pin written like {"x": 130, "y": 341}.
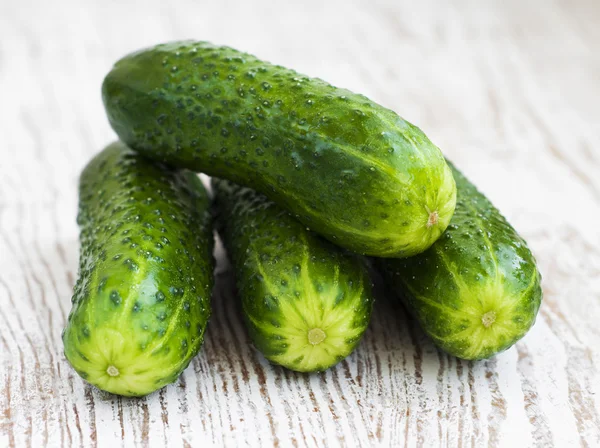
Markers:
{"x": 510, "y": 90}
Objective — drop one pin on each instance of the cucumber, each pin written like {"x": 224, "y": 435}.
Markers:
{"x": 142, "y": 299}
{"x": 348, "y": 168}
{"x": 306, "y": 302}
{"x": 477, "y": 290}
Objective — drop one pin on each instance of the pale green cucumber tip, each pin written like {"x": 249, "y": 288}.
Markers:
{"x": 317, "y": 340}
{"x": 110, "y": 360}
{"x": 492, "y": 328}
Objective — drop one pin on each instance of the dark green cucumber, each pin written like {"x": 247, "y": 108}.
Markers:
{"x": 477, "y": 290}
{"x": 142, "y": 299}
{"x": 306, "y": 302}
{"x": 348, "y": 168}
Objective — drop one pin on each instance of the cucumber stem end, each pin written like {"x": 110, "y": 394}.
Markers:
{"x": 488, "y": 319}
{"x": 434, "y": 217}
{"x": 112, "y": 371}
{"x": 316, "y": 336}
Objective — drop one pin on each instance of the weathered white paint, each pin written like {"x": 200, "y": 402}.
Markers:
{"x": 510, "y": 90}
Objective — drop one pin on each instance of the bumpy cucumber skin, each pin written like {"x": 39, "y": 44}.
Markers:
{"x": 142, "y": 299}
{"x": 348, "y": 168}
{"x": 291, "y": 281}
{"x": 480, "y": 265}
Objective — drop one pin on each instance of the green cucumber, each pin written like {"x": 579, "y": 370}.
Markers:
{"x": 348, "y": 168}
{"x": 142, "y": 299}
{"x": 477, "y": 290}
{"x": 306, "y": 302}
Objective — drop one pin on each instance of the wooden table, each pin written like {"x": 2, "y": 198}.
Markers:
{"x": 510, "y": 90}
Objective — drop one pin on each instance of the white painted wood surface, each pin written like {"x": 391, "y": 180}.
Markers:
{"x": 510, "y": 90}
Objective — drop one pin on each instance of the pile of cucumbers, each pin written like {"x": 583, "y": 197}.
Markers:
{"x": 313, "y": 187}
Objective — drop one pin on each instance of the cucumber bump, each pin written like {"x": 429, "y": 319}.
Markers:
{"x": 306, "y": 302}
{"x": 142, "y": 299}
{"x": 348, "y": 168}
